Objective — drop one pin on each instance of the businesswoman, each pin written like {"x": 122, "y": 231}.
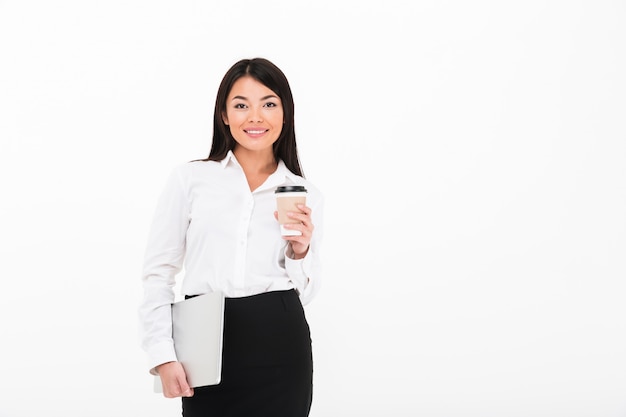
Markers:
{"x": 216, "y": 219}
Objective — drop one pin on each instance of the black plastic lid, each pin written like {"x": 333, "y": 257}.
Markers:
{"x": 290, "y": 189}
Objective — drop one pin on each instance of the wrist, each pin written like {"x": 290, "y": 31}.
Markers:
{"x": 296, "y": 256}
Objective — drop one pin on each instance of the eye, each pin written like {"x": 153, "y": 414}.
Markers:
{"x": 270, "y": 104}
{"x": 240, "y": 106}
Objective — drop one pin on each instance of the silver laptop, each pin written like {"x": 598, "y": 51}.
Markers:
{"x": 197, "y": 330}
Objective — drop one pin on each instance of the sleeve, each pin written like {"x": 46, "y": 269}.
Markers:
{"x": 163, "y": 259}
{"x": 306, "y": 273}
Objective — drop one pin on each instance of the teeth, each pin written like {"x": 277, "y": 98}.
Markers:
{"x": 256, "y": 132}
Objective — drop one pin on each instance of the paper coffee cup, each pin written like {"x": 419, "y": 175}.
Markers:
{"x": 287, "y": 199}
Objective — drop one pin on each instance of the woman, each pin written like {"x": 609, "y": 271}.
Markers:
{"x": 217, "y": 218}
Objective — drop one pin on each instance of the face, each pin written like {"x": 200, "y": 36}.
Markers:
{"x": 254, "y": 114}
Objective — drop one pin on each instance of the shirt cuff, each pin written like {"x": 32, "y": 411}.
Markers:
{"x": 299, "y": 272}
{"x": 161, "y": 353}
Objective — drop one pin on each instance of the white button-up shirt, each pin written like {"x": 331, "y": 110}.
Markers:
{"x": 226, "y": 238}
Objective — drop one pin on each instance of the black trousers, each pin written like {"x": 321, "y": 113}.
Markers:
{"x": 267, "y": 364}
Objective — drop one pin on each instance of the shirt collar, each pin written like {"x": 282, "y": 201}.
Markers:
{"x": 230, "y": 156}
{"x": 281, "y": 170}
{"x": 281, "y": 176}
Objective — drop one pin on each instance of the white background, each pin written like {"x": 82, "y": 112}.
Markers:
{"x": 473, "y": 157}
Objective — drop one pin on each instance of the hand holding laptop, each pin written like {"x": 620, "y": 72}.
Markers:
{"x": 174, "y": 380}
{"x": 197, "y": 331}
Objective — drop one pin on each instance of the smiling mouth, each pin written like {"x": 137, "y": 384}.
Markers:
{"x": 256, "y": 132}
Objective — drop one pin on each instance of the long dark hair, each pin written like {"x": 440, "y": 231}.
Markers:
{"x": 272, "y": 77}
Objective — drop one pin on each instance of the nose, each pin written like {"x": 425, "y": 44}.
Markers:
{"x": 255, "y": 115}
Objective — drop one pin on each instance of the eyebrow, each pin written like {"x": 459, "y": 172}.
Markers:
{"x": 262, "y": 98}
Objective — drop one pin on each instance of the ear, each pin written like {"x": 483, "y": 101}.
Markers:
{"x": 225, "y": 118}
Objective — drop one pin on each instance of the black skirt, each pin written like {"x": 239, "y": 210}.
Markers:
{"x": 267, "y": 365}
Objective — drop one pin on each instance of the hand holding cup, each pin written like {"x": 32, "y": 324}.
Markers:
{"x": 294, "y": 217}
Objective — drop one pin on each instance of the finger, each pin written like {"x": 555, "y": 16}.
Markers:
{"x": 176, "y": 391}
{"x": 304, "y": 229}
{"x": 185, "y": 389}
{"x": 301, "y": 217}
{"x": 299, "y": 243}
{"x": 172, "y": 390}
{"x": 304, "y": 208}
{"x": 305, "y": 211}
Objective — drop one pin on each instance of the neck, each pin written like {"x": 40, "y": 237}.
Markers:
{"x": 255, "y": 162}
